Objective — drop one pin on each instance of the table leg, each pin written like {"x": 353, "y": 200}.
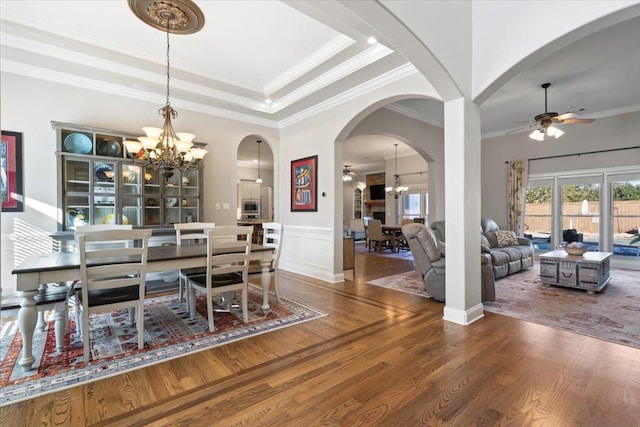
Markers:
{"x": 27, "y": 317}
{"x": 60, "y": 324}
{"x": 265, "y": 279}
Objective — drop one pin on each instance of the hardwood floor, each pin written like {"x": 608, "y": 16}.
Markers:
{"x": 380, "y": 357}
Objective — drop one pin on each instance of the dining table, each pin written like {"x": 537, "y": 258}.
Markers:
{"x": 39, "y": 269}
{"x": 394, "y": 231}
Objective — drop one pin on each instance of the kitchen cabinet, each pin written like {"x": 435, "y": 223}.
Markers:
{"x": 99, "y": 183}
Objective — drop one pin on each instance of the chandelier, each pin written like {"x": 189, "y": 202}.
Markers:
{"x": 397, "y": 189}
{"x": 164, "y": 149}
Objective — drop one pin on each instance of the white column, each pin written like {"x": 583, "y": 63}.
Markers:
{"x": 462, "y": 211}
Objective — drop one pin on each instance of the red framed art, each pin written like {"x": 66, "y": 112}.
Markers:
{"x": 304, "y": 184}
{"x": 11, "y": 172}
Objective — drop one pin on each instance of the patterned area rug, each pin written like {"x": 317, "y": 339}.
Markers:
{"x": 361, "y": 248}
{"x": 612, "y": 314}
{"x": 169, "y": 333}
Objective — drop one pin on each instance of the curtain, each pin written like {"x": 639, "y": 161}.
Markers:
{"x": 516, "y": 188}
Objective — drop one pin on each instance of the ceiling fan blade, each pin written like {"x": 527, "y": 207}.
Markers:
{"x": 566, "y": 116}
{"x": 520, "y": 129}
{"x": 576, "y": 121}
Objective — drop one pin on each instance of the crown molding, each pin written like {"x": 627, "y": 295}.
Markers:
{"x": 405, "y": 111}
{"x": 348, "y": 67}
{"x": 125, "y": 91}
{"x": 368, "y": 86}
{"x": 327, "y": 52}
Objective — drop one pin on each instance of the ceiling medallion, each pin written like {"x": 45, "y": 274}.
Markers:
{"x": 184, "y": 16}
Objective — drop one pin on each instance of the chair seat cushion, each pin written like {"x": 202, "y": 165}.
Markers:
{"x": 111, "y": 296}
{"x": 186, "y": 272}
{"x": 218, "y": 280}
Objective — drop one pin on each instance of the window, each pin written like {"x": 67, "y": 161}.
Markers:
{"x": 603, "y": 206}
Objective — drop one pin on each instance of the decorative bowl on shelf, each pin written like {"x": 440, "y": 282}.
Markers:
{"x": 171, "y": 202}
{"x": 575, "y": 250}
{"x": 169, "y": 276}
{"x": 104, "y": 172}
{"x": 108, "y": 147}
{"x": 111, "y": 219}
{"x": 78, "y": 143}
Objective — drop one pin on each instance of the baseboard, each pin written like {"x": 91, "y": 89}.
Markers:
{"x": 462, "y": 317}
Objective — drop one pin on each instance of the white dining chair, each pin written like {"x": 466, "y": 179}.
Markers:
{"x": 273, "y": 232}
{"x": 76, "y": 287}
{"x": 226, "y": 273}
{"x": 188, "y": 233}
{"x": 118, "y": 285}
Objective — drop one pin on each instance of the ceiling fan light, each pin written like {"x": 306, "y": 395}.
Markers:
{"x": 538, "y": 135}
{"x": 346, "y": 177}
{"x": 555, "y": 132}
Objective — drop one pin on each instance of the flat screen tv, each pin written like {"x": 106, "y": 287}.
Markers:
{"x": 376, "y": 192}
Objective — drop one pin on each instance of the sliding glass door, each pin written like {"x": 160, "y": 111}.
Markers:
{"x": 625, "y": 212}
{"x": 580, "y": 210}
{"x": 600, "y": 208}
{"x": 538, "y": 217}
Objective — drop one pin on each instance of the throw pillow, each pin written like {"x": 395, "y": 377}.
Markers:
{"x": 441, "y": 247}
{"x": 506, "y": 238}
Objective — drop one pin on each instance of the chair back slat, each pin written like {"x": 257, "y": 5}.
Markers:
{"x": 273, "y": 232}
{"x": 220, "y": 238}
{"x": 192, "y": 231}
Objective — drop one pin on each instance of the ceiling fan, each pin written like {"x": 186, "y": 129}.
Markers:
{"x": 544, "y": 122}
{"x": 347, "y": 175}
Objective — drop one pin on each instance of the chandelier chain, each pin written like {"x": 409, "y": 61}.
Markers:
{"x": 168, "y": 64}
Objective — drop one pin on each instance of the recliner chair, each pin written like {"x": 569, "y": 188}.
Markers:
{"x": 428, "y": 252}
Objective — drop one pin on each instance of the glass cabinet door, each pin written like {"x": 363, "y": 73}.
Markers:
{"x": 103, "y": 194}
{"x": 77, "y": 213}
{"x": 152, "y": 198}
{"x": 132, "y": 211}
{"x": 77, "y": 176}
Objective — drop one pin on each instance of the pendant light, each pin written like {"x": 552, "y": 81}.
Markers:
{"x": 259, "y": 180}
{"x": 397, "y": 189}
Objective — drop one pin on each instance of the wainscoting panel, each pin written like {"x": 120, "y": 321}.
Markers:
{"x": 309, "y": 251}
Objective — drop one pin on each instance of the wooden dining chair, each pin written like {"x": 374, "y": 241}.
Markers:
{"x": 227, "y": 272}
{"x": 189, "y": 233}
{"x": 118, "y": 285}
{"x": 376, "y": 236}
{"x": 273, "y": 239}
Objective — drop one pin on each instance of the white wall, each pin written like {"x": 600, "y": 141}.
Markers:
{"x": 313, "y": 244}
{"x": 604, "y": 134}
{"x": 29, "y": 105}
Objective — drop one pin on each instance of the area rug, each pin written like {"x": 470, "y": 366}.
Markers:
{"x": 169, "y": 333}
{"x": 612, "y": 314}
{"x": 361, "y": 248}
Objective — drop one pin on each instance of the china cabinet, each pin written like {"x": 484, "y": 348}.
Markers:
{"x": 358, "y": 202}
{"x": 100, "y": 183}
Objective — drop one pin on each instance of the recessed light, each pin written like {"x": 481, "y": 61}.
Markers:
{"x": 372, "y": 40}
{"x": 268, "y": 100}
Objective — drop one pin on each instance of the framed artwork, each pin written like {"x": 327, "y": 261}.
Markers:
{"x": 304, "y": 184}
{"x": 11, "y": 172}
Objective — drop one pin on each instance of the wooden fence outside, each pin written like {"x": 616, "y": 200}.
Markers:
{"x": 626, "y": 216}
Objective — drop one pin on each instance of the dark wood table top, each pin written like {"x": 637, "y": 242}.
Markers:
{"x": 65, "y": 260}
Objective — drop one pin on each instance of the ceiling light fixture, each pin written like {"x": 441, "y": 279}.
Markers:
{"x": 346, "y": 174}
{"x": 162, "y": 148}
{"x": 397, "y": 189}
{"x": 259, "y": 180}
{"x": 268, "y": 100}
{"x": 372, "y": 40}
